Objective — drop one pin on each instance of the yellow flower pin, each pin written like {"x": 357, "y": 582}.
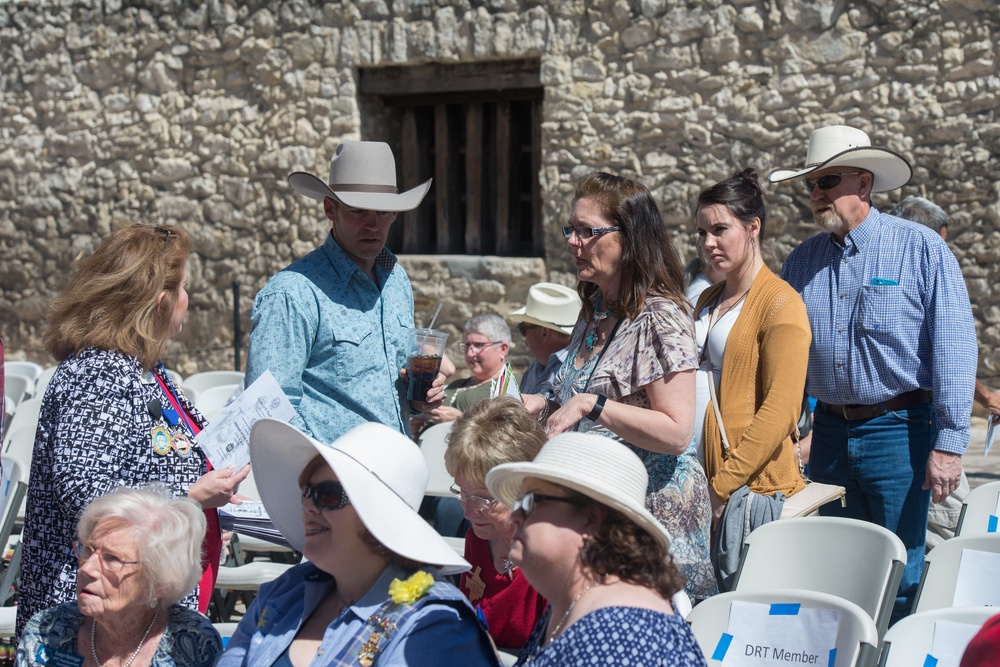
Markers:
{"x": 409, "y": 591}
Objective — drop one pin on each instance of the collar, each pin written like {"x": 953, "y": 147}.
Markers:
{"x": 375, "y": 597}
{"x": 344, "y": 267}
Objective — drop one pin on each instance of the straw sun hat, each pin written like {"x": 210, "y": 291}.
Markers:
{"x": 843, "y": 146}
{"x": 362, "y": 175}
{"x": 598, "y": 467}
{"x": 551, "y": 306}
{"x": 383, "y": 474}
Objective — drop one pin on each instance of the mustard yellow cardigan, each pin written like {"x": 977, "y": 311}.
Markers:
{"x": 760, "y": 393}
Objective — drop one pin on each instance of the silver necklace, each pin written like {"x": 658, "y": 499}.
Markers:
{"x": 572, "y": 605}
{"x": 93, "y": 642}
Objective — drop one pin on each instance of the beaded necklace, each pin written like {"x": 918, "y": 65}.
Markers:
{"x": 599, "y": 316}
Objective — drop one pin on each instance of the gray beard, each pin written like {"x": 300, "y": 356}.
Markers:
{"x": 829, "y": 221}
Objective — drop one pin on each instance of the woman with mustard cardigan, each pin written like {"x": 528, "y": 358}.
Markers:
{"x": 753, "y": 341}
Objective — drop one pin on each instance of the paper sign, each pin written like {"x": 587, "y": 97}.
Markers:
{"x": 978, "y": 582}
{"x": 991, "y": 523}
{"x": 762, "y": 635}
{"x": 950, "y": 640}
{"x": 505, "y": 384}
{"x": 226, "y": 441}
{"x": 991, "y": 433}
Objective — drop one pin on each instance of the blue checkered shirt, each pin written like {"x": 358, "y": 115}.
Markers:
{"x": 889, "y": 314}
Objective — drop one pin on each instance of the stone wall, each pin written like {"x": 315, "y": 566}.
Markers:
{"x": 193, "y": 113}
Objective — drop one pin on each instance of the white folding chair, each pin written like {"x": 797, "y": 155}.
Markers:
{"x": 246, "y": 579}
{"x": 248, "y": 543}
{"x": 857, "y": 638}
{"x": 855, "y": 560}
{"x": 28, "y": 369}
{"x": 199, "y": 382}
{"x": 43, "y": 380}
{"x": 25, "y": 416}
{"x": 17, "y": 388}
{"x": 941, "y": 570}
{"x": 433, "y": 443}
{"x": 910, "y": 640}
{"x": 210, "y": 401}
{"x": 979, "y": 511}
{"x": 8, "y": 621}
{"x": 18, "y": 487}
{"x": 225, "y": 630}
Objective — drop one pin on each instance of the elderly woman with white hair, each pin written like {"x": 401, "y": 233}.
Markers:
{"x": 371, "y": 591}
{"x": 139, "y": 552}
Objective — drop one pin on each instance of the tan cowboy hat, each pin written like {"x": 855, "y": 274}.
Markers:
{"x": 843, "y": 146}
{"x": 594, "y": 465}
{"x": 362, "y": 175}
{"x": 383, "y": 474}
{"x": 551, "y": 306}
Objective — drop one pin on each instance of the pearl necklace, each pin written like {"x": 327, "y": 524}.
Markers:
{"x": 572, "y": 605}
{"x": 93, "y": 642}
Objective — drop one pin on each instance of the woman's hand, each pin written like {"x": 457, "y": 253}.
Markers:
{"x": 570, "y": 414}
{"x": 533, "y": 403}
{"x": 443, "y": 413}
{"x": 718, "y": 507}
{"x": 218, "y": 487}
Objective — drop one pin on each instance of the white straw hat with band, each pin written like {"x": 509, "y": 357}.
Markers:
{"x": 362, "y": 175}
{"x": 593, "y": 465}
{"x": 843, "y": 146}
{"x": 551, "y": 306}
{"x": 383, "y": 474}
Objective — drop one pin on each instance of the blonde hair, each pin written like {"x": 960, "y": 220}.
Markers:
{"x": 490, "y": 433}
{"x": 112, "y": 300}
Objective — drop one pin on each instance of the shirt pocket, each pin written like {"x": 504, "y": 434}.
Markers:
{"x": 401, "y": 339}
{"x": 880, "y": 308}
{"x": 351, "y": 356}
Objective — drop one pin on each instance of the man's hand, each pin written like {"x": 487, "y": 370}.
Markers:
{"x": 944, "y": 471}
{"x": 988, "y": 399}
{"x": 435, "y": 395}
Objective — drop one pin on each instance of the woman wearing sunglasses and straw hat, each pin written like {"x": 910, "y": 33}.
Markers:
{"x": 369, "y": 593}
{"x": 585, "y": 540}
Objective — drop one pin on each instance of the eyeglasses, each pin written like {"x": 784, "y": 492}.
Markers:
{"x": 529, "y": 501}
{"x": 588, "y": 232}
{"x": 477, "y": 347}
{"x": 327, "y": 496}
{"x": 828, "y": 182}
{"x": 166, "y": 237}
{"x": 524, "y": 328}
{"x": 109, "y": 562}
{"x": 478, "y": 502}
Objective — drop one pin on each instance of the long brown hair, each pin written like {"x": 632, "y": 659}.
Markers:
{"x": 112, "y": 300}
{"x": 650, "y": 265}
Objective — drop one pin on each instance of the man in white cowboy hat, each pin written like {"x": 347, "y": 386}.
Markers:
{"x": 333, "y": 326}
{"x": 545, "y": 322}
{"x": 893, "y": 356}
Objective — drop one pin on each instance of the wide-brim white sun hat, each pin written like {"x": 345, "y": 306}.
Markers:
{"x": 362, "y": 175}
{"x": 382, "y": 472}
{"x": 843, "y": 146}
{"x": 550, "y": 305}
{"x": 593, "y": 465}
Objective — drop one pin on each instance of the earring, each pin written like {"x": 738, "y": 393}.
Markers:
{"x": 153, "y": 604}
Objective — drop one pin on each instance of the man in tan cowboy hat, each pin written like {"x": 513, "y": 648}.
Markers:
{"x": 333, "y": 326}
{"x": 545, "y": 322}
{"x": 893, "y": 356}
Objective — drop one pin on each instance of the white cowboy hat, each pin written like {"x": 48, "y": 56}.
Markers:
{"x": 551, "y": 306}
{"x": 843, "y": 146}
{"x": 362, "y": 175}
{"x": 593, "y": 465}
{"x": 382, "y": 472}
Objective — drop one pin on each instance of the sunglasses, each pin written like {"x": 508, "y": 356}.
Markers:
{"x": 524, "y": 328}
{"x": 529, "y": 501}
{"x": 828, "y": 182}
{"x": 327, "y": 496}
{"x": 166, "y": 237}
{"x": 588, "y": 232}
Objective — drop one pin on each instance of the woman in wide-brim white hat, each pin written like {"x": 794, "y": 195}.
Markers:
{"x": 369, "y": 593}
{"x": 585, "y": 541}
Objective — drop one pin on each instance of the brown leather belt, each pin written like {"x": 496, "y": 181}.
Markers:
{"x": 863, "y": 412}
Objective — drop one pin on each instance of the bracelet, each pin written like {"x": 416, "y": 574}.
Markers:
{"x": 595, "y": 414}
{"x": 544, "y": 415}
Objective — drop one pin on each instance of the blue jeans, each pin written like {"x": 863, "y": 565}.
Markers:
{"x": 882, "y": 462}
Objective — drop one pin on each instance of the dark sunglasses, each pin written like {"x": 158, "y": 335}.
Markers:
{"x": 327, "y": 496}
{"x": 588, "y": 232}
{"x": 166, "y": 237}
{"x": 529, "y": 501}
{"x": 828, "y": 182}
{"x": 525, "y": 328}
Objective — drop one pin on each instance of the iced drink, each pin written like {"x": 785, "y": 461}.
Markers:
{"x": 426, "y": 350}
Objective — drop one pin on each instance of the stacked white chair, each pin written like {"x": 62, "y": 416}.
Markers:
{"x": 211, "y": 401}
{"x": 25, "y": 416}
{"x": 856, "y": 560}
{"x": 17, "y": 388}
{"x": 856, "y": 641}
{"x": 193, "y": 385}
{"x": 943, "y": 569}
{"x": 433, "y": 443}
{"x": 980, "y": 512}
{"x": 43, "y": 380}
{"x": 910, "y": 641}
{"x": 28, "y": 369}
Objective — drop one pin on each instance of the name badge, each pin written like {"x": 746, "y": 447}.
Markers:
{"x": 54, "y": 657}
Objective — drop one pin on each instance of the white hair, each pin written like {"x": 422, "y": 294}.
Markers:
{"x": 490, "y": 325}
{"x": 168, "y": 530}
